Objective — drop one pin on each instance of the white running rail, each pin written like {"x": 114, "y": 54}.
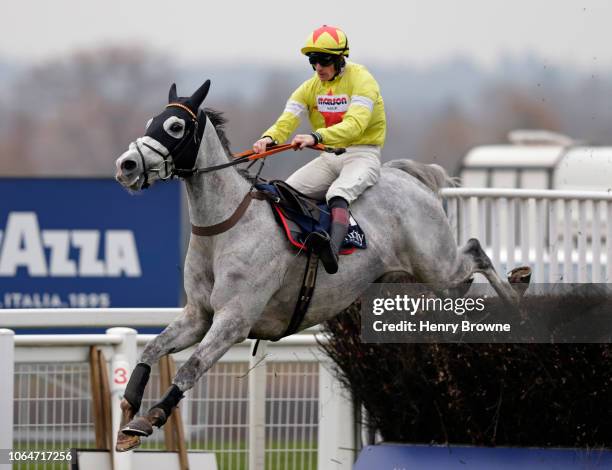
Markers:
{"x": 565, "y": 236}
{"x": 303, "y": 418}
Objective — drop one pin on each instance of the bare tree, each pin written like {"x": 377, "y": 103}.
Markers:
{"x": 507, "y": 106}
{"x": 74, "y": 116}
{"x": 451, "y": 133}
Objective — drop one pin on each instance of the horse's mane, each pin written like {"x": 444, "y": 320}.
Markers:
{"x": 219, "y": 121}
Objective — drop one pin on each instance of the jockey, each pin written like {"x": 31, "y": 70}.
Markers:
{"x": 343, "y": 103}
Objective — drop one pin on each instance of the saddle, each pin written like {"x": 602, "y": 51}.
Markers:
{"x": 299, "y": 215}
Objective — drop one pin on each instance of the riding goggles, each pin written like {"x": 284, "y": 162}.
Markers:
{"x": 322, "y": 59}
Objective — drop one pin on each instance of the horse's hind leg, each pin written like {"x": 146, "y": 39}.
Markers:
{"x": 473, "y": 259}
{"x": 187, "y": 329}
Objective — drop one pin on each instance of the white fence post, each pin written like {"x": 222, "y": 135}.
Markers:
{"x": 7, "y": 356}
{"x": 122, "y": 364}
{"x": 257, "y": 408}
{"x": 336, "y": 446}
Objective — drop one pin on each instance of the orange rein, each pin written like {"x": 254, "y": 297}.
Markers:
{"x": 251, "y": 155}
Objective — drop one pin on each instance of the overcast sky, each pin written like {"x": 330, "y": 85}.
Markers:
{"x": 415, "y": 32}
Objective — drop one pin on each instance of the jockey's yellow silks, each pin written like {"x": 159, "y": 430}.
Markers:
{"x": 345, "y": 111}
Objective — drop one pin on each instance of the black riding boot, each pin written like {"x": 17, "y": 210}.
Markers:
{"x": 329, "y": 246}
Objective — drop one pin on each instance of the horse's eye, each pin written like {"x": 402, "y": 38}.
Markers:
{"x": 175, "y": 127}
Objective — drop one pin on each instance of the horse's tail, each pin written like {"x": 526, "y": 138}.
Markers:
{"x": 431, "y": 175}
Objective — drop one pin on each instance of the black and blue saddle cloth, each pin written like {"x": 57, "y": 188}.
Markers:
{"x": 299, "y": 216}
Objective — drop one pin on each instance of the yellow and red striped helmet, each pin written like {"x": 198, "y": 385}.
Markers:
{"x": 328, "y": 40}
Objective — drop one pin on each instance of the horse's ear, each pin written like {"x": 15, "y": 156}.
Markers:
{"x": 172, "y": 96}
{"x": 198, "y": 97}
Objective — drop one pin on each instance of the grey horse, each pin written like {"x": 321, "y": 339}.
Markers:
{"x": 244, "y": 282}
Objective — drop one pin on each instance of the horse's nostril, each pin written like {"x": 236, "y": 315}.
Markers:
{"x": 128, "y": 165}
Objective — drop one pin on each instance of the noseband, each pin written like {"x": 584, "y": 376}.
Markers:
{"x": 175, "y": 155}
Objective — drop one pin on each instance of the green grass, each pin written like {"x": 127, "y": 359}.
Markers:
{"x": 295, "y": 455}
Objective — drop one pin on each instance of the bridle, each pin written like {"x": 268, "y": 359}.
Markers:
{"x": 169, "y": 159}
{"x": 170, "y": 170}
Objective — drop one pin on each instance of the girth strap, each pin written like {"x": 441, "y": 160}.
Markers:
{"x": 304, "y": 298}
{"x": 306, "y": 292}
{"x": 226, "y": 224}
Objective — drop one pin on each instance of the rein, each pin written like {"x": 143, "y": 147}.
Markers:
{"x": 244, "y": 157}
{"x": 250, "y": 156}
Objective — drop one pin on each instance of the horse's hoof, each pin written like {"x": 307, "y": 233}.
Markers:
{"x": 140, "y": 426}
{"x": 519, "y": 279}
{"x": 125, "y": 442}
{"x": 521, "y": 275}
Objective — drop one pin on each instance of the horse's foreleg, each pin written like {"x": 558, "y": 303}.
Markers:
{"x": 228, "y": 328}
{"x": 184, "y": 331}
{"x": 188, "y": 328}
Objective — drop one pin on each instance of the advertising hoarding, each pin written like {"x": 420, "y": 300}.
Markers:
{"x": 88, "y": 243}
